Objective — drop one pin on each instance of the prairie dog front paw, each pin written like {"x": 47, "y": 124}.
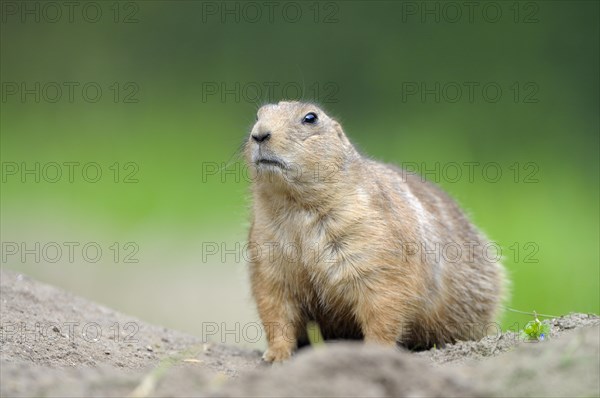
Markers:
{"x": 278, "y": 354}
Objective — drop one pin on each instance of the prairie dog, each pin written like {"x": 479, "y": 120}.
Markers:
{"x": 367, "y": 250}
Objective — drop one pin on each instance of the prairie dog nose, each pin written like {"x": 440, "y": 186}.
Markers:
{"x": 260, "y": 137}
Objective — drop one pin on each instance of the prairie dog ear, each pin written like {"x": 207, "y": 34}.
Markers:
{"x": 338, "y": 129}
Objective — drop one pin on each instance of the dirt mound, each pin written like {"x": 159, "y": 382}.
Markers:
{"x": 53, "y": 343}
{"x": 353, "y": 369}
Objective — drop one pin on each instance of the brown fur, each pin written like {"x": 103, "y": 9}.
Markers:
{"x": 331, "y": 241}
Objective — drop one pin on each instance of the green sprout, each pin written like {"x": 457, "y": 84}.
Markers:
{"x": 314, "y": 334}
{"x": 535, "y": 330}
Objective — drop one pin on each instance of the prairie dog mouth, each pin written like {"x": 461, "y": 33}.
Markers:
{"x": 270, "y": 162}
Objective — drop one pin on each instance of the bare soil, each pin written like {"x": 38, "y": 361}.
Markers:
{"x": 53, "y": 343}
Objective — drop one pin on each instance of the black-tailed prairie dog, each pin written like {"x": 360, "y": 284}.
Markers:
{"x": 364, "y": 249}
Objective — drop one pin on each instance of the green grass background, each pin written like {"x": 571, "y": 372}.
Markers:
{"x": 367, "y": 54}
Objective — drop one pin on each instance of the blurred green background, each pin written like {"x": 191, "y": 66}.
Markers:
{"x": 370, "y": 63}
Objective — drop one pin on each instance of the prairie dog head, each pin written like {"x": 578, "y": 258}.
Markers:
{"x": 297, "y": 141}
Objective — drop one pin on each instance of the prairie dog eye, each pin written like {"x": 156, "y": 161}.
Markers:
{"x": 310, "y": 118}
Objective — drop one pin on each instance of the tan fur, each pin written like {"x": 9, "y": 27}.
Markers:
{"x": 339, "y": 239}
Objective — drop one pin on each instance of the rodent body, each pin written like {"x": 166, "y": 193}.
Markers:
{"x": 366, "y": 250}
